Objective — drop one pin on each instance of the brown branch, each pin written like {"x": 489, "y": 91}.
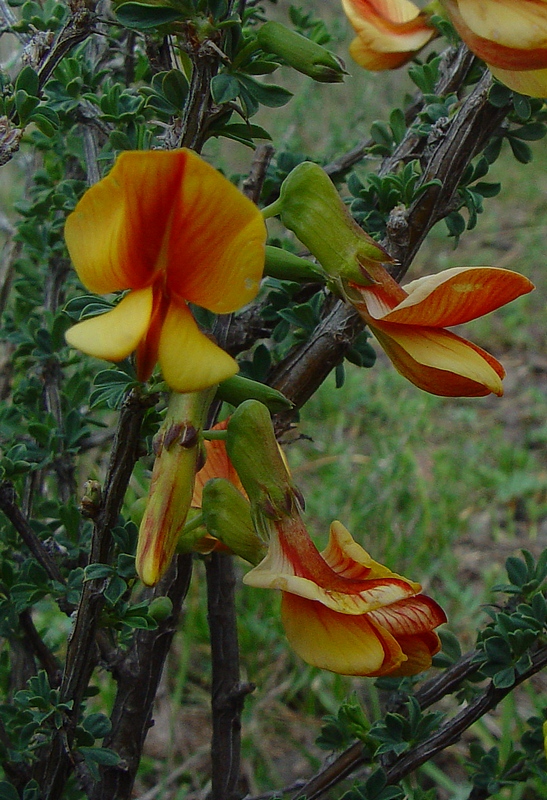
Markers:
{"x": 253, "y": 183}
{"x": 138, "y": 676}
{"x": 228, "y": 693}
{"x": 82, "y": 652}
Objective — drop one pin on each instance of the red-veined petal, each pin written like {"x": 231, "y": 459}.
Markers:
{"x": 349, "y": 645}
{"x": 456, "y": 295}
{"x": 116, "y": 232}
{"x": 347, "y": 558}
{"x": 299, "y": 568}
{"x": 189, "y": 360}
{"x": 116, "y": 334}
{"x": 439, "y": 362}
{"x": 217, "y": 237}
{"x": 410, "y": 616}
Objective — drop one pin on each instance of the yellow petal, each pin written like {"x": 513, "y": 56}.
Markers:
{"x": 116, "y": 232}
{"x": 189, "y": 360}
{"x": 374, "y": 61}
{"x": 340, "y": 643}
{"x": 439, "y": 362}
{"x": 218, "y": 238}
{"x": 116, "y": 334}
{"x": 512, "y": 23}
{"x": 349, "y": 559}
{"x": 532, "y": 82}
{"x": 457, "y": 295}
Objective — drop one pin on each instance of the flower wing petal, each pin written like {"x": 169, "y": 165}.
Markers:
{"x": 439, "y": 362}
{"x": 116, "y": 232}
{"x": 419, "y": 650}
{"x": 189, "y": 360}
{"x": 508, "y": 22}
{"x": 532, "y": 82}
{"x": 218, "y": 236}
{"x": 410, "y": 616}
{"x": 349, "y": 645}
{"x": 347, "y": 558}
{"x": 455, "y": 296}
{"x": 116, "y": 334}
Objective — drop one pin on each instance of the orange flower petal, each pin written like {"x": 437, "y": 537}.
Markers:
{"x": 219, "y": 237}
{"x": 419, "y": 650}
{"x": 512, "y": 23}
{"x": 349, "y": 645}
{"x": 217, "y": 465}
{"x": 455, "y": 296}
{"x": 349, "y": 559}
{"x": 114, "y": 335}
{"x": 301, "y": 570}
{"x": 189, "y": 360}
{"x": 439, "y": 362}
{"x": 116, "y": 233}
{"x": 411, "y": 616}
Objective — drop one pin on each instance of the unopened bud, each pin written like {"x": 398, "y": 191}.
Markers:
{"x": 286, "y": 266}
{"x": 227, "y": 516}
{"x": 301, "y": 53}
{"x": 237, "y": 389}
{"x": 311, "y": 207}
{"x": 254, "y": 452}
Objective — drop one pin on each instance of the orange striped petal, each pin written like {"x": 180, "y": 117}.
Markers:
{"x": 303, "y": 572}
{"x": 217, "y": 465}
{"x": 439, "y": 362}
{"x": 189, "y": 360}
{"x": 349, "y": 559}
{"x": 116, "y": 334}
{"x": 116, "y": 233}
{"x": 349, "y": 645}
{"x": 455, "y": 296}
{"x": 411, "y": 616}
{"x": 218, "y": 236}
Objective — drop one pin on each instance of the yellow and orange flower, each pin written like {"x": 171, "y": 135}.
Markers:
{"x": 410, "y": 323}
{"x": 173, "y": 230}
{"x": 389, "y": 32}
{"x": 344, "y": 612}
{"x": 510, "y": 36}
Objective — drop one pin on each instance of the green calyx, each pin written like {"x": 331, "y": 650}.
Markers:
{"x": 227, "y": 517}
{"x": 310, "y": 206}
{"x": 301, "y": 53}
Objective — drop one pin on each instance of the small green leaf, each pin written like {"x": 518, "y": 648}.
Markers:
{"x": 224, "y": 88}
{"x": 144, "y": 17}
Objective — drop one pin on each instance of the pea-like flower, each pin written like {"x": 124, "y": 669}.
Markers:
{"x": 510, "y": 36}
{"x": 410, "y": 323}
{"x": 389, "y": 32}
{"x": 170, "y": 228}
{"x": 343, "y": 611}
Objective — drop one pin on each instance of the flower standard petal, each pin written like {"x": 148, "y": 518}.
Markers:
{"x": 116, "y": 232}
{"x": 220, "y": 241}
{"x": 439, "y": 362}
{"x": 349, "y": 645}
{"x": 189, "y": 360}
{"x": 116, "y": 334}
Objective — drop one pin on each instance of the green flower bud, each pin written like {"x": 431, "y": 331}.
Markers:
{"x": 255, "y": 454}
{"x": 227, "y": 516}
{"x": 301, "y": 53}
{"x": 286, "y": 266}
{"x": 310, "y": 206}
{"x": 160, "y": 608}
{"x": 238, "y": 389}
